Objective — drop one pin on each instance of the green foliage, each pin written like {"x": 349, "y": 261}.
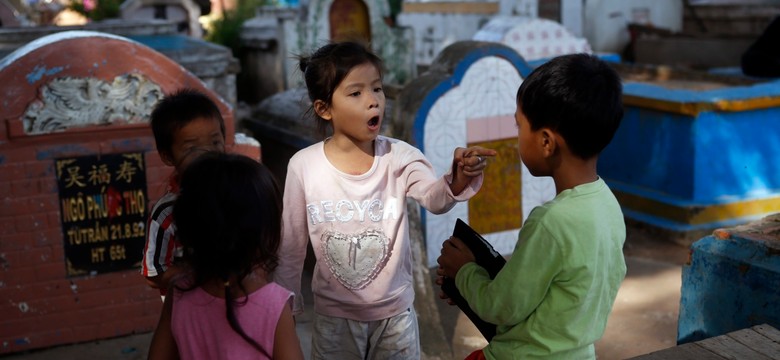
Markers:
{"x": 103, "y": 9}
{"x": 227, "y": 29}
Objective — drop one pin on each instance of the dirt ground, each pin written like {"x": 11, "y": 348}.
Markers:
{"x": 643, "y": 320}
{"x": 644, "y": 317}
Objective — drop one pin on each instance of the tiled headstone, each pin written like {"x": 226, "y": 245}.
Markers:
{"x": 468, "y": 98}
{"x": 533, "y": 39}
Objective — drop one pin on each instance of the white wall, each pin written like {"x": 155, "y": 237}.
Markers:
{"x": 433, "y": 31}
{"x": 606, "y": 20}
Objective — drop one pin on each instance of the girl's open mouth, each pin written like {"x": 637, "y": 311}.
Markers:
{"x": 374, "y": 122}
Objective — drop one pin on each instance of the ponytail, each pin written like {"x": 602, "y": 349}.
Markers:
{"x": 230, "y": 312}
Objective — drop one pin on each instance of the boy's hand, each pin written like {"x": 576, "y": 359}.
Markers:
{"x": 442, "y": 294}
{"x": 468, "y": 163}
{"x": 454, "y": 254}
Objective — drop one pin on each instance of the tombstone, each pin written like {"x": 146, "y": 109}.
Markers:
{"x": 349, "y": 20}
{"x": 346, "y": 19}
{"x": 13, "y": 38}
{"x": 467, "y": 98}
{"x": 265, "y": 54}
{"x": 391, "y": 43}
{"x": 212, "y": 63}
{"x": 79, "y": 170}
{"x": 731, "y": 281}
{"x": 280, "y": 123}
{"x": 184, "y": 13}
{"x": 695, "y": 151}
{"x": 533, "y": 39}
{"x": 321, "y": 21}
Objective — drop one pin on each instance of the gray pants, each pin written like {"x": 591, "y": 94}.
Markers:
{"x": 395, "y": 338}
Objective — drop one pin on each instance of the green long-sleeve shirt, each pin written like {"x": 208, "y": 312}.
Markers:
{"x": 552, "y": 298}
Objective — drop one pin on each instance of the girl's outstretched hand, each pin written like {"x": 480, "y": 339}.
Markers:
{"x": 473, "y": 160}
{"x": 468, "y": 163}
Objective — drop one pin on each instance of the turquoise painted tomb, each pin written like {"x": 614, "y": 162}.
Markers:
{"x": 696, "y": 154}
{"x": 731, "y": 281}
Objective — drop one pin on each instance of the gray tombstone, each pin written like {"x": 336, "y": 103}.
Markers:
{"x": 184, "y": 13}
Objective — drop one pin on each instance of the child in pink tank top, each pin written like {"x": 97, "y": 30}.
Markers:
{"x": 228, "y": 217}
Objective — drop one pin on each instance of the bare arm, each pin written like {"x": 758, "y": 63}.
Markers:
{"x": 295, "y": 238}
{"x": 286, "y": 343}
{"x": 163, "y": 344}
{"x": 162, "y": 281}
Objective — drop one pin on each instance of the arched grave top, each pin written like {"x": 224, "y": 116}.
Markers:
{"x": 114, "y": 81}
{"x": 532, "y": 38}
{"x": 446, "y": 74}
{"x": 467, "y": 97}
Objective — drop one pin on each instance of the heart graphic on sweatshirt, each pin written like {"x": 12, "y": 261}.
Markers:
{"x": 356, "y": 259}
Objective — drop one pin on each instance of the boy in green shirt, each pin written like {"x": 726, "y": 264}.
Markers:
{"x": 552, "y": 298}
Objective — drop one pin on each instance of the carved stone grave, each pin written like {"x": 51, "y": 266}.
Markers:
{"x": 78, "y": 171}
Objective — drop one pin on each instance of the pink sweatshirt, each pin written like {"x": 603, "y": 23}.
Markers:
{"x": 358, "y": 228}
{"x": 202, "y": 331}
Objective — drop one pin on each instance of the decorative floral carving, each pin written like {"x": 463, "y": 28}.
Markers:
{"x": 80, "y": 102}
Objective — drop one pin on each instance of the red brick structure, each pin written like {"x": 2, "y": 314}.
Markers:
{"x": 79, "y": 95}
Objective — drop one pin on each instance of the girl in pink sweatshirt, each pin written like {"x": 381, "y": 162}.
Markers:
{"x": 347, "y": 195}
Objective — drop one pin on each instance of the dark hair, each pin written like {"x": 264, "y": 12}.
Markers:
{"x": 178, "y": 109}
{"x": 228, "y": 218}
{"x": 324, "y": 70}
{"x": 579, "y": 96}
